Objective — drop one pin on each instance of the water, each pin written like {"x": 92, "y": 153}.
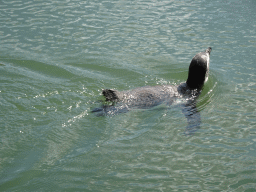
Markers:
{"x": 56, "y": 56}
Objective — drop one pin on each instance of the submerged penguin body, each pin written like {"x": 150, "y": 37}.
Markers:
{"x": 142, "y": 97}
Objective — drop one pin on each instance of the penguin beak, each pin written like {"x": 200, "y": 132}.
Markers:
{"x": 208, "y": 50}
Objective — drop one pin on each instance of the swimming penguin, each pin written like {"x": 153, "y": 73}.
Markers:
{"x": 150, "y": 96}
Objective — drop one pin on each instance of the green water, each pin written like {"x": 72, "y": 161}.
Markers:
{"x": 57, "y": 56}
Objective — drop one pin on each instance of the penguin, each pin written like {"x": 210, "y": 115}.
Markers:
{"x": 150, "y": 96}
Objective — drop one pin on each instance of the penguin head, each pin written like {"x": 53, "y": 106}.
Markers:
{"x": 198, "y": 69}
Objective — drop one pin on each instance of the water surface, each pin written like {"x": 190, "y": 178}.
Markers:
{"x": 57, "y": 56}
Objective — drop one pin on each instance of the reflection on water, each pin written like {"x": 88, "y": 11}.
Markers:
{"x": 57, "y": 56}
